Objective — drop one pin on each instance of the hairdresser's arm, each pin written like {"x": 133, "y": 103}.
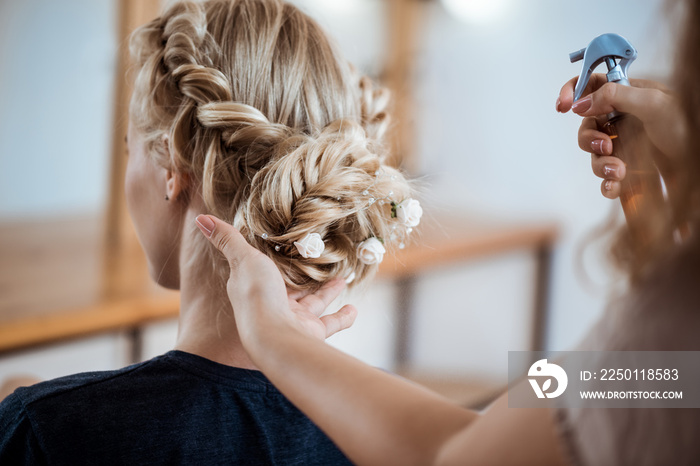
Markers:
{"x": 651, "y": 102}
{"x": 374, "y": 417}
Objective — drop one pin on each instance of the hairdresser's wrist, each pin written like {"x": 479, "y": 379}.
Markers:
{"x": 269, "y": 340}
{"x": 268, "y": 329}
{"x": 280, "y": 347}
{"x": 258, "y": 316}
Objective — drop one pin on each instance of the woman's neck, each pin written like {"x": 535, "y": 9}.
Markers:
{"x": 207, "y": 327}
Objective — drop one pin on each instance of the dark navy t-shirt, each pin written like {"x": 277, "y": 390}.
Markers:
{"x": 177, "y": 408}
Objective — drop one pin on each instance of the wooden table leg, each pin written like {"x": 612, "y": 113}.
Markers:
{"x": 405, "y": 291}
{"x": 540, "y": 311}
{"x": 135, "y": 336}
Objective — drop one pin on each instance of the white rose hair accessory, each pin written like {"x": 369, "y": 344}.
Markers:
{"x": 409, "y": 212}
{"x": 311, "y": 246}
{"x": 371, "y": 251}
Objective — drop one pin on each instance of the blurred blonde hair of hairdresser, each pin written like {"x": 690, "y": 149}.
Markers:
{"x": 686, "y": 202}
{"x": 681, "y": 172}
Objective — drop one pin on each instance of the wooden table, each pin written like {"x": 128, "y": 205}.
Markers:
{"x": 58, "y": 281}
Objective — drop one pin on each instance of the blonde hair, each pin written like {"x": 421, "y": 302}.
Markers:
{"x": 279, "y": 133}
{"x": 639, "y": 252}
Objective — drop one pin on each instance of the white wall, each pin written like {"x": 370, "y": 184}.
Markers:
{"x": 468, "y": 316}
{"x": 358, "y": 27}
{"x": 57, "y": 64}
{"x": 372, "y": 338}
{"x": 97, "y": 353}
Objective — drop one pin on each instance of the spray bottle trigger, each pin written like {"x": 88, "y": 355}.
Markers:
{"x": 577, "y": 56}
{"x": 604, "y": 48}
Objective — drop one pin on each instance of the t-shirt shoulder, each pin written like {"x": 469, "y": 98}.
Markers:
{"x": 178, "y": 408}
{"x": 57, "y": 386}
{"x": 170, "y": 364}
{"x": 19, "y": 443}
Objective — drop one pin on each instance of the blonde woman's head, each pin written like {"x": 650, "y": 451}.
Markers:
{"x": 249, "y": 113}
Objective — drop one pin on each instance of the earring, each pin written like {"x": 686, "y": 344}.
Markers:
{"x": 167, "y": 198}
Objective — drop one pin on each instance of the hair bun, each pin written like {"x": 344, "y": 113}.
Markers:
{"x": 329, "y": 185}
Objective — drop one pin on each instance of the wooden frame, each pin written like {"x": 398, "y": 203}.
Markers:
{"x": 119, "y": 230}
{"x": 405, "y": 31}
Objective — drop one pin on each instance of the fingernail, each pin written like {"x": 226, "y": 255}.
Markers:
{"x": 597, "y": 146}
{"x": 557, "y": 105}
{"x": 606, "y": 147}
{"x": 205, "y": 224}
{"x": 608, "y": 185}
{"x": 582, "y": 105}
{"x": 610, "y": 171}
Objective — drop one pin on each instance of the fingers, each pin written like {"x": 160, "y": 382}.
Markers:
{"x": 612, "y": 170}
{"x": 644, "y": 103}
{"x": 608, "y": 167}
{"x": 340, "y": 320}
{"x": 226, "y": 239}
{"x": 592, "y": 140}
{"x": 604, "y": 165}
{"x": 597, "y": 80}
{"x": 566, "y": 94}
{"x": 650, "y": 101}
{"x": 610, "y": 189}
{"x": 296, "y": 295}
{"x": 317, "y": 302}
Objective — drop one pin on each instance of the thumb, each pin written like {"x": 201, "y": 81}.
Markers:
{"x": 226, "y": 239}
{"x": 641, "y": 102}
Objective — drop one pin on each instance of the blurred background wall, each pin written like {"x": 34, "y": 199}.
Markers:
{"x": 484, "y": 76}
{"x": 57, "y": 70}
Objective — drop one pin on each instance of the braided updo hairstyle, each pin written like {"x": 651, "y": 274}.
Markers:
{"x": 280, "y": 135}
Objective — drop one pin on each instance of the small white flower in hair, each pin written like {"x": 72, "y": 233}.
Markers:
{"x": 409, "y": 212}
{"x": 311, "y": 246}
{"x": 370, "y": 251}
{"x": 350, "y": 277}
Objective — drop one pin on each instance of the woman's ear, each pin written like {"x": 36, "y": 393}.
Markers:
{"x": 176, "y": 181}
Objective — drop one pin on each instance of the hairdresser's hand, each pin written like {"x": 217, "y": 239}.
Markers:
{"x": 651, "y": 102}
{"x": 259, "y": 296}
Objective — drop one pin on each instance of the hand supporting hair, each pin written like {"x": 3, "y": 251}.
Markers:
{"x": 373, "y": 417}
{"x": 264, "y": 304}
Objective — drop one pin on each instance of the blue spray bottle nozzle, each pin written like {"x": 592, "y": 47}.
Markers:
{"x": 606, "y": 48}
